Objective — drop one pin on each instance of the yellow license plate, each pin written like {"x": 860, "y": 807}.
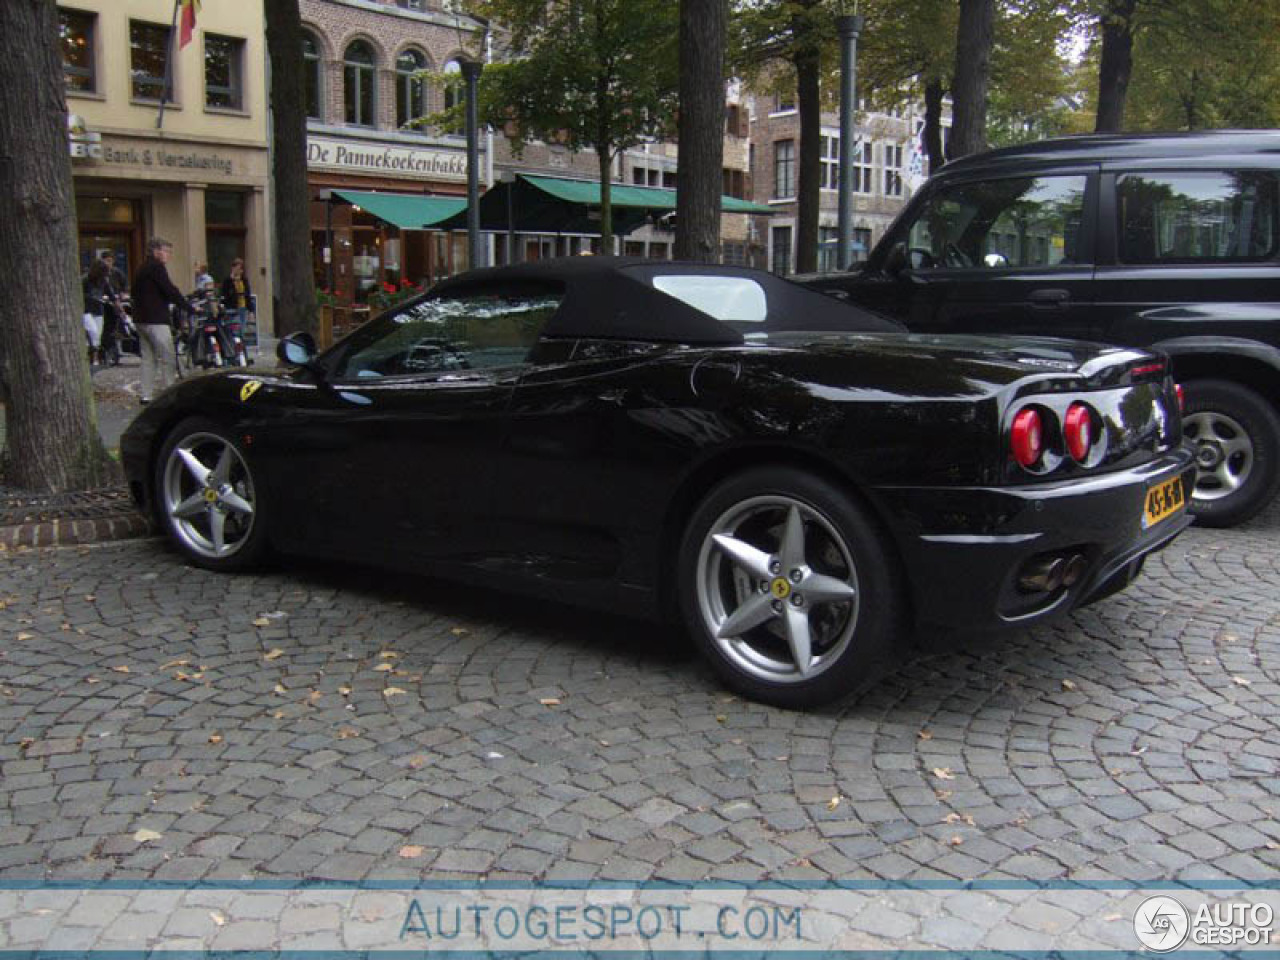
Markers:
{"x": 1163, "y": 501}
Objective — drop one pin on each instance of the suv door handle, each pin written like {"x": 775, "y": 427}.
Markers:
{"x": 1049, "y": 299}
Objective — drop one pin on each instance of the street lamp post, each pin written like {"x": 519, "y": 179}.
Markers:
{"x": 848, "y": 27}
{"x": 470, "y": 75}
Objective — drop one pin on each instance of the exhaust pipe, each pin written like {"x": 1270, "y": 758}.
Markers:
{"x": 1047, "y": 574}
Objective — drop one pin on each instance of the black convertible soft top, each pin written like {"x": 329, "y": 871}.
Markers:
{"x": 615, "y": 298}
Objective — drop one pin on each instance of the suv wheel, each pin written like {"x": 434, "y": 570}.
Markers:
{"x": 1237, "y": 439}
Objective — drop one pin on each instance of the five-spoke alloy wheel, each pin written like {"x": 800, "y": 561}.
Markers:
{"x": 207, "y": 499}
{"x": 785, "y": 583}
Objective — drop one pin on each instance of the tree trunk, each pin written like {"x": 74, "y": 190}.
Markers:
{"x": 701, "y": 129}
{"x": 604, "y": 156}
{"x": 972, "y": 73}
{"x": 295, "y": 290}
{"x": 809, "y": 105}
{"x": 1116, "y": 65}
{"x": 933, "y": 94}
{"x": 51, "y": 426}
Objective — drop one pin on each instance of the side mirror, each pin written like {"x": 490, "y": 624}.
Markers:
{"x": 897, "y": 260}
{"x": 296, "y": 349}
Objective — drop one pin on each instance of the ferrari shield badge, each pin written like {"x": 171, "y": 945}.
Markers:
{"x": 249, "y": 389}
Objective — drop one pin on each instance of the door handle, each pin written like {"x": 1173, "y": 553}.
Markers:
{"x": 1049, "y": 299}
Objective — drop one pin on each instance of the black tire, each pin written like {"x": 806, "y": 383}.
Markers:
{"x": 1237, "y": 438}
{"x": 238, "y": 539}
{"x": 849, "y": 637}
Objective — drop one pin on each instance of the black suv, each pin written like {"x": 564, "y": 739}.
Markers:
{"x": 1171, "y": 242}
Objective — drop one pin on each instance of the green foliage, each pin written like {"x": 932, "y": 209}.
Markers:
{"x": 1201, "y": 64}
{"x": 1031, "y": 78}
{"x": 590, "y": 74}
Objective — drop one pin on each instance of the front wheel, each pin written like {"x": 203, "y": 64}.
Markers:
{"x": 1236, "y": 435}
{"x": 209, "y": 498}
{"x": 788, "y": 588}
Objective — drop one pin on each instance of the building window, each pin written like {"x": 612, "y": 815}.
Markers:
{"x": 75, "y": 37}
{"x": 223, "y": 72}
{"x": 359, "y": 84}
{"x": 862, "y": 168}
{"x": 453, "y": 93}
{"x": 828, "y": 247}
{"x": 411, "y": 88}
{"x": 734, "y": 183}
{"x": 784, "y": 103}
{"x": 784, "y": 169}
{"x": 148, "y": 51}
{"x": 412, "y": 4}
{"x": 861, "y": 244}
{"x": 734, "y": 254}
{"x": 668, "y": 179}
{"x": 781, "y": 251}
{"x": 311, "y": 75}
{"x": 892, "y": 170}
{"x": 829, "y": 158}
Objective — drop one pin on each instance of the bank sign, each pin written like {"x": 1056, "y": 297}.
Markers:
{"x": 358, "y": 156}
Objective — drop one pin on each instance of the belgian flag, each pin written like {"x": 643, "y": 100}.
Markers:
{"x": 189, "y": 10}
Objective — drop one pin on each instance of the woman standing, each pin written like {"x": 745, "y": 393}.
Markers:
{"x": 97, "y": 291}
{"x": 236, "y": 294}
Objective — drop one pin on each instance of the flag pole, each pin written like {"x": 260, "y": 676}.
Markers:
{"x": 168, "y": 64}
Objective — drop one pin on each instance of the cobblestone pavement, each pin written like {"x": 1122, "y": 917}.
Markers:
{"x": 315, "y": 722}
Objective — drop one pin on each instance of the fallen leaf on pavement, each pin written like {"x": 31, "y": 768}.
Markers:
{"x": 174, "y": 663}
{"x": 409, "y": 851}
{"x": 1068, "y": 685}
{"x": 347, "y": 733}
{"x": 833, "y": 802}
{"x": 384, "y": 666}
{"x": 146, "y": 836}
{"x": 392, "y": 692}
{"x": 459, "y": 631}
{"x": 261, "y": 622}
{"x": 273, "y": 654}
{"x": 417, "y": 762}
{"x": 956, "y": 840}
{"x": 344, "y": 690}
{"x": 943, "y": 773}
{"x": 550, "y": 701}
{"x": 122, "y": 669}
{"x": 958, "y": 817}
{"x": 388, "y": 655}
{"x": 280, "y": 689}
{"x": 217, "y": 918}
{"x": 925, "y": 734}
{"x": 215, "y": 738}
{"x": 1241, "y": 682}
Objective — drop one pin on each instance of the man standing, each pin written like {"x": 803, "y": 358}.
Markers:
{"x": 153, "y": 292}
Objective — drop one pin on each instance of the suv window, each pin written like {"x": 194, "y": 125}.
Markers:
{"x": 1011, "y": 222}
{"x": 462, "y": 332}
{"x": 1192, "y": 217}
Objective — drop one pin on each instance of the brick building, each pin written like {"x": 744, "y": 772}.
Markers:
{"x": 888, "y": 167}
{"x": 366, "y": 88}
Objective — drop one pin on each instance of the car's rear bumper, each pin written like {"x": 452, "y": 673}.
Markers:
{"x": 966, "y": 548}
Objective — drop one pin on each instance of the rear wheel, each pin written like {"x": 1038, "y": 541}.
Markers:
{"x": 1236, "y": 435}
{"x": 209, "y": 498}
{"x": 787, "y": 587}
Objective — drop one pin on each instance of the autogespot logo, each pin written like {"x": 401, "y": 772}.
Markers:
{"x": 1161, "y": 923}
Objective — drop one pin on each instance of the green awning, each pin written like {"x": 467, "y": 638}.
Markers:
{"x": 409, "y": 211}
{"x": 625, "y": 195}
{"x": 532, "y": 204}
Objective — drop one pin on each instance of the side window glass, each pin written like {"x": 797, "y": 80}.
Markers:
{"x": 1192, "y": 217}
{"x": 464, "y": 331}
{"x": 1011, "y": 222}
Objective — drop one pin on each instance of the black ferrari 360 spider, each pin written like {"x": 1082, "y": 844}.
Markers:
{"x": 804, "y": 484}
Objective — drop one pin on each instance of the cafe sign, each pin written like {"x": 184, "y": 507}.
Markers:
{"x": 358, "y": 156}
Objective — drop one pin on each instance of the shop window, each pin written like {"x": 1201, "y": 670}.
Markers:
{"x": 411, "y": 88}
{"x": 453, "y": 93}
{"x": 223, "y": 72}
{"x": 148, "y": 52}
{"x": 224, "y": 230}
{"x": 359, "y": 85}
{"x": 311, "y": 75}
{"x": 668, "y": 179}
{"x": 76, "y": 32}
{"x": 784, "y": 169}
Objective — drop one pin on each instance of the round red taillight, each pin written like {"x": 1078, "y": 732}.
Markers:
{"x": 1077, "y": 430}
{"x": 1182, "y": 397}
{"x": 1026, "y": 438}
